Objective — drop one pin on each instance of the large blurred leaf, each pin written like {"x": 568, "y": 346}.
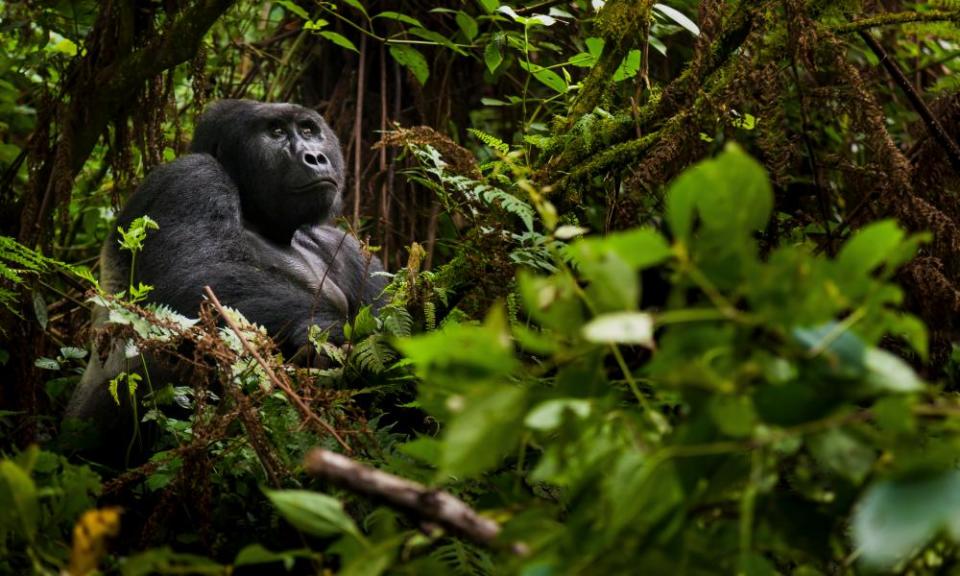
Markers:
{"x": 484, "y": 428}
{"x": 459, "y": 357}
{"x": 18, "y": 498}
{"x": 869, "y": 248}
{"x": 313, "y": 513}
{"x": 621, "y": 328}
{"x": 731, "y": 193}
{"x": 896, "y": 518}
{"x": 843, "y": 455}
{"x": 639, "y": 248}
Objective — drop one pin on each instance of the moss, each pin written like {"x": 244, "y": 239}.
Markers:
{"x": 619, "y": 23}
{"x": 896, "y": 18}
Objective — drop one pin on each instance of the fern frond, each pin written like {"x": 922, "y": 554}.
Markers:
{"x": 511, "y": 204}
{"x": 464, "y": 559}
{"x": 490, "y": 140}
{"x": 373, "y": 355}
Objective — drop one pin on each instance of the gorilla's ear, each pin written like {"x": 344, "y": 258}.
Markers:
{"x": 221, "y": 122}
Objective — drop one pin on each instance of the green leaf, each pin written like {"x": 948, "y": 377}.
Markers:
{"x": 64, "y": 46}
{"x": 639, "y": 248}
{"x": 621, "y": 328}
{"x": 734, "y": 415}
{"x": 314, "y": 513}
{"x": 40, "y": 310}
{"x": 897, "y": 518}
{"x": 568, "y": 231}
{"x": 843, "y": 455}
{"x": 629, "y": 67}
{"x": 889, "y": 373}
{"x": 489, "y": 6}
{"x": 413, "y": 60}
{"x": 356, "y": 4}
{"x": 869, "y": 248}
{"x": 582, "y": 60}
{"x": 548, "y": 415}
{"x": 293, "y": 8}
{"x": 595, "y": 46}
{"x": 545, "y": 76}
{"x": 678, "y": 17}
{"x": 459, "y": 356}
{"x": 842, "y": 349}
{"x": 18, "y": 495}
{"x": 553, "y": 302}
{"x": 895, "y": 414}
{"x": 73, "y": 353}
{"x": 746, "y": 122}
{"x": 483, "y": 430}
{"x": 731, "y": 193}
{"x": 492, "y": 56}
{"x": 339, "y": 40}
{"x": 391, "y": 15}
{"x": 45, "y": 363}
{"x": 257, "y": 554}
{"x": 467, "y": 25}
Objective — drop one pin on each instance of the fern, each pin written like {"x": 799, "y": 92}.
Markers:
{"x": 464, "y": 559}
{"x": 490, "y": 140}
{"x": 373, "y": 355}
{"x": 430, "y": 315}
{"x": 16, "y": 260}
{"x": 397, "y": 322}
{"x": 539, "y": 141}
{"x": 512, "y": 204}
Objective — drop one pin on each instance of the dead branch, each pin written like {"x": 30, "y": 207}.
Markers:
{"x": 297, "y": 401}
{"x": 429, "y": 504}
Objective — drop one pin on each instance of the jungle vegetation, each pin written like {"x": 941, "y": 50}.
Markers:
{"x": 676, "y": 290}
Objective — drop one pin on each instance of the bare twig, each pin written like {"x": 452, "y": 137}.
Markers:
{"x": 437, "y": 506}
{"x": 305, "y": 410}
{"x": 357, "y": 133}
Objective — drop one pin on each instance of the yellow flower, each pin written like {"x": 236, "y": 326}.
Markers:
{"x": 89, "y": 539}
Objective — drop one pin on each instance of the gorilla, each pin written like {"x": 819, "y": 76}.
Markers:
{"x": 248, "y": 212}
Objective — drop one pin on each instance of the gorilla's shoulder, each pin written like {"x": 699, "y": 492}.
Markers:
{"x": 199, "y": 168}
{"x": 192, "y": 187}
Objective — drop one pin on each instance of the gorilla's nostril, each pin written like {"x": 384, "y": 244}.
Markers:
{"x": 314, "y": 159}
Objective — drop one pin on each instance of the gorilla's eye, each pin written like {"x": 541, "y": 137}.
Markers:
{"x": 277, "y": 131}
{"x": 308, "y": 129}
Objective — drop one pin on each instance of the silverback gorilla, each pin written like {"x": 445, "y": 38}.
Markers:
{"x": 248, "y": 212}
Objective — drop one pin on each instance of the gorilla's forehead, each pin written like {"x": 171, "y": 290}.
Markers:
{"x": 229, "y": 122}
{"x": 285, "y": 111}
{"x": 239, "y": 112}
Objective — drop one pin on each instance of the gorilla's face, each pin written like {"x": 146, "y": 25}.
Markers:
{"x": 284, "y": 159}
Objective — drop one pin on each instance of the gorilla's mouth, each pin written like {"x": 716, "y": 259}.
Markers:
{"x": 318, "y": 185}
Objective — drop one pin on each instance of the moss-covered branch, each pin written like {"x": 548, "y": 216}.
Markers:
{"x": 619, "y": 23}
{"x": 98, "y": 89}
{"x": 898, "y": 18}
{"x": 586, "y": 139}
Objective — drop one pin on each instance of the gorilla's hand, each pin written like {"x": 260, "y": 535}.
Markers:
{"x": 318, "y": 250}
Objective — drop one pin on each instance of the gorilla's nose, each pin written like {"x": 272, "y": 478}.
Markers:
{"x": 314, "y": 159}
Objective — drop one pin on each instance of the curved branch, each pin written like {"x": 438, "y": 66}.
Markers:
{"x": 437, "y": 506}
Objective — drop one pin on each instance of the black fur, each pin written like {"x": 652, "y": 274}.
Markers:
{"x": 248, "y": 213}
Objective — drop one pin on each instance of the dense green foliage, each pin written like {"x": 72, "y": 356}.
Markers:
{"x": 667, "y": 295}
